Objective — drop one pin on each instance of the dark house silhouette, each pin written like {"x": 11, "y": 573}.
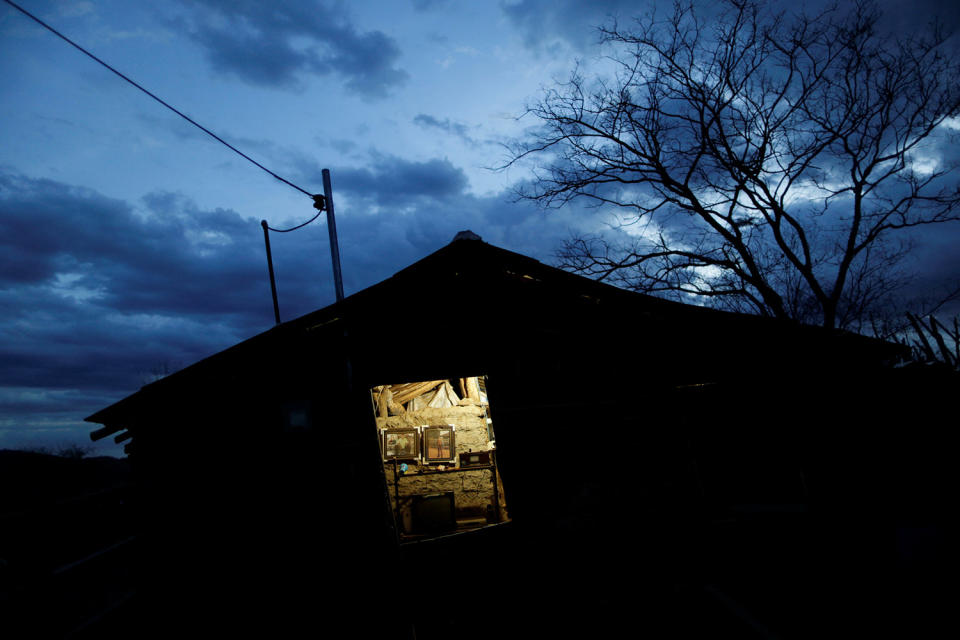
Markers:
{"x": 639, "y": 441}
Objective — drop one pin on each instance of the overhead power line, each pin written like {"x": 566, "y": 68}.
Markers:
{"x": 321, "y": 203}
{"x": 168, "y": 106}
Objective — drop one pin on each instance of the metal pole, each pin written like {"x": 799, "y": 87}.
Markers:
{"x": 273, "y": 282}
{"x": 332, "y": 229}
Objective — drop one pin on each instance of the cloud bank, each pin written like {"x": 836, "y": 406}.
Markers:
{"x": 275, "y": 44}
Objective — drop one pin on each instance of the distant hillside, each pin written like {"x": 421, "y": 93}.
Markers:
{"x": 29, "y": 479}
{"x": 55, "y": 512}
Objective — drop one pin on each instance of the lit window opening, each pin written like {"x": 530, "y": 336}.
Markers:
{"x": 439, "y": 455}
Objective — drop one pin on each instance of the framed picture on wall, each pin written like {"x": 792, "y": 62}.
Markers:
{"x": 401, "y": 444}
{"x": 439, "y": 443}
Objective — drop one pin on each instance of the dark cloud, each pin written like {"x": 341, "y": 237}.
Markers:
{"x": 84, "y": 270}
{"x": 427, "y": 5}
{"x": 87, "y": 347}
{"x": 98, "y": 244}
{"x": 344, "y": 146}
{"x": 900, "y": 16}
{"x": 37, "y": 226}
{"x": 34, "y": 418}
{"x": 545, "y": 22}
{"x": 274, "y": 44}
{"x": 457, "y": 129}
{"x": 392, "y": 181}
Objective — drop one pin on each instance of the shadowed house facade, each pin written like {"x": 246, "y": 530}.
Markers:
{"x": 481, "y": 393}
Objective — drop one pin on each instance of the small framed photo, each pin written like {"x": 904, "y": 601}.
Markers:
{"x": 439, "y": 443}
{"x": 401, "y": 444}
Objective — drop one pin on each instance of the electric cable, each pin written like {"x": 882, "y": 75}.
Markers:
{"x": 296, "y": 227}
{"x": 176, "y": 111}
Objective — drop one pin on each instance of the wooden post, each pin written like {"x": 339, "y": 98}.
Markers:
{"x": 496, "y": 485}
{"x": 473, "y": 389}
{"x": 384, "y": 399}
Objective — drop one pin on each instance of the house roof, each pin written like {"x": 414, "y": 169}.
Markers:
{"x": 520, "y": 294}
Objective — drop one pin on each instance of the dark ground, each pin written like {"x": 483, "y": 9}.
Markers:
{"x": 55, "y": 511}
{"x": 72, "y": 565}
{"x": 556, "y": 591}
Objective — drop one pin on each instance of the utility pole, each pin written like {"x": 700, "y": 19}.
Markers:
{"x": 332, "y": 230}
{"x": 273, "y": 281}
{"x": 320, "y": 203}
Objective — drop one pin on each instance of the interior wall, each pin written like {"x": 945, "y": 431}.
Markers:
{"x": 474, "y": 488}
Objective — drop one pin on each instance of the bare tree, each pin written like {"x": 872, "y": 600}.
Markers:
{"x": 760, "y": 161}
{"x": 934, "y": 341}
{"x": 931, "y": 334}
